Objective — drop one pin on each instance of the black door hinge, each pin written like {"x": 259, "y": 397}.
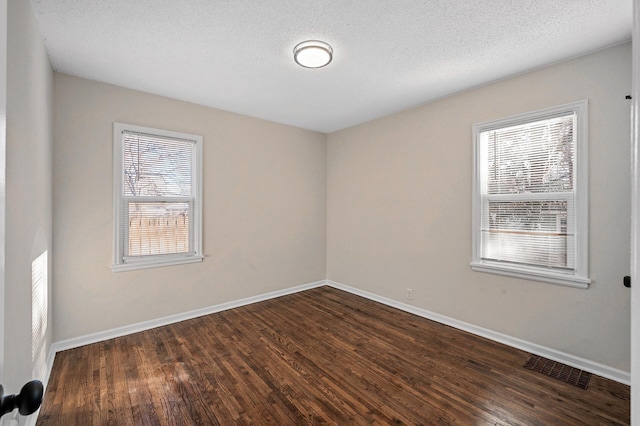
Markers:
{"x": 627, "y": 281}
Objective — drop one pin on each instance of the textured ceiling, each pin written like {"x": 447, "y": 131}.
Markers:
{"x": 389, "y": 55}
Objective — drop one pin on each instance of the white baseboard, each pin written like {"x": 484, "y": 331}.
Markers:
{"x": 555, "y": 355}
{"x": 171, "y": 319}
{"x": 33, "y": 418}
{"x": 47, "y": 372}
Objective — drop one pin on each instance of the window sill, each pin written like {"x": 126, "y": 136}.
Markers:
{"x": 155, "y": 263}
{"x": 532, "y": 274}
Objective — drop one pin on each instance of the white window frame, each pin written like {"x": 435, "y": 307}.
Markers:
{"x": 579, "y": 276}
{"x": 120, "y": 261}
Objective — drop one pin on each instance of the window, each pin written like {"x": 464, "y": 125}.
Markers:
{"x": 157, "y": 197}
{"x": 530, "y": 196}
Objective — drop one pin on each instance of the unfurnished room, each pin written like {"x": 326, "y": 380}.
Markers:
{"x": 319, "y": 212}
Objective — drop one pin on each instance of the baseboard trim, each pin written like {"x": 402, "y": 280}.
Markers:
{"x": 47, "y": 373}
{"x": 572, "y": 360}
{"x": 33, "y": 418}
{"x": 171, "y": 319}
{"x": 555, "y": 355}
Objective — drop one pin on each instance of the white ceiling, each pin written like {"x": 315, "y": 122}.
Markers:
{"x": 389, "y": 55}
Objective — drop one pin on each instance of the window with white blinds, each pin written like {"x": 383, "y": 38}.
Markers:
{"x": 530, "y": 196}
{"x": 157, "y": 197}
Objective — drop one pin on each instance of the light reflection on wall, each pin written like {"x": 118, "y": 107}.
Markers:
{"x": 39, "y": 305}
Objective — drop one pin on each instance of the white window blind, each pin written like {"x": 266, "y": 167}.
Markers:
{"x": 158, "y": 203}
{"x": 527, "y": 174}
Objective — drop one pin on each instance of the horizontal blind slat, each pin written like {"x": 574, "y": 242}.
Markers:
{"x": 157, "y": 195}
{"x": 158, "y": 228}
{"x": 523, "y": 163}
{"x": 156, "y": 166}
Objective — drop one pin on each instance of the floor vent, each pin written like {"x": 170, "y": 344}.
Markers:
{"x": 557, "y": 370}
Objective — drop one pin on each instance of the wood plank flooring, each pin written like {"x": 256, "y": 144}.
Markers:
{"x": 321, "y": 356}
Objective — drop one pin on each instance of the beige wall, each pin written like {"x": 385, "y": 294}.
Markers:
{"x": 399, "y": 211}
{"x": 28, "y": 190}
{"x": 264, "y": 209}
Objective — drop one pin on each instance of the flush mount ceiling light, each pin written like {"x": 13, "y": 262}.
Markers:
{"x": 312, "y": 54}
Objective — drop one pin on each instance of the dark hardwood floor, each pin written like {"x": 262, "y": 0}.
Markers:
{"x": 322, "y": 356}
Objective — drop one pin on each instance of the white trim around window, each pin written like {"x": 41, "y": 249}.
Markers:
{"x": 177, "y": 193}
{"x": 572, "y": 223}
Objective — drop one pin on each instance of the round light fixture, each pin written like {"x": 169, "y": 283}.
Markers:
{"x": 313, "y": 54}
